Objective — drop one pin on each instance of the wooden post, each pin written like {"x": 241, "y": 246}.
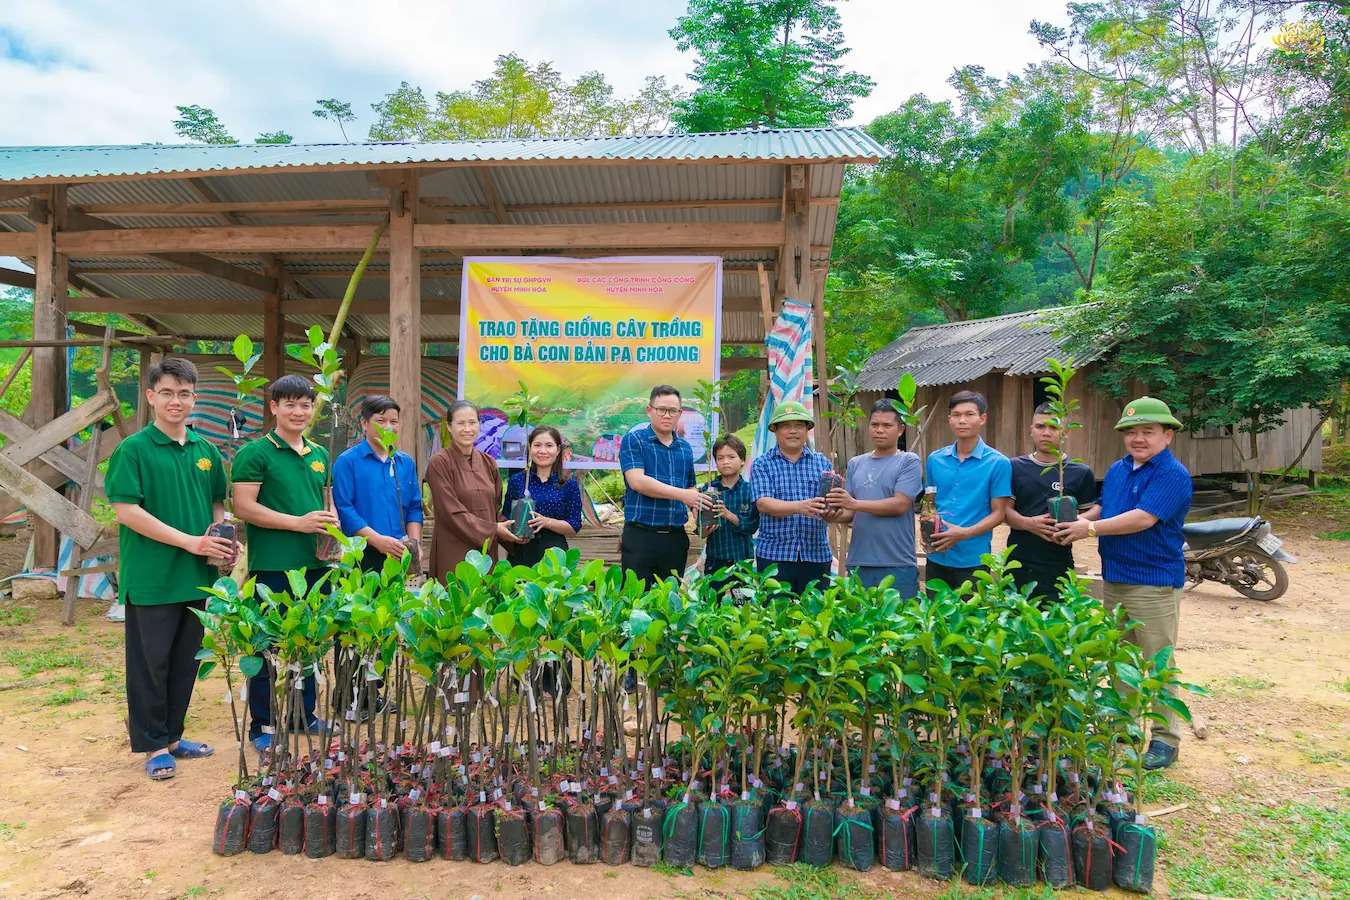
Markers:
{"x": 274, "y": 338}
{"x": 405, "y": 312}
{"x": 142, "y": 386}
{"x": 49, "y": 375}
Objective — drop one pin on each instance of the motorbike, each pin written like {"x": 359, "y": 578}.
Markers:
{"x": 1241, "y": 552}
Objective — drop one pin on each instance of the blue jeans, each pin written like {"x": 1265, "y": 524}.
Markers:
{"x": 906, "y": 578}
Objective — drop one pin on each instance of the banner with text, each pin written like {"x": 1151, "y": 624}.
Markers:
{"x": 589, "y": 338}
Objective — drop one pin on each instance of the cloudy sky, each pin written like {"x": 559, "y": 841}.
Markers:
{"x": 111, "y": 71}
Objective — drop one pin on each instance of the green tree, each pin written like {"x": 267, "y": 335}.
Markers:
{"x": 765, "y": 64}
{"x": 1233, "y": 308}
{"x": 200, "y": 124}
{"x": 273, "y": 137}
{"x": 337, "y": 112}
{"x": 403, "y": 115}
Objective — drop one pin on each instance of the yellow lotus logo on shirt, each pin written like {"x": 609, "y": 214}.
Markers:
{"x": 317, "y": 465}
{"x": 204, "y": 464}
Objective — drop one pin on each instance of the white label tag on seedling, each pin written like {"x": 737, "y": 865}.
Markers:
{"x": 975, "y": 813}
{"x": 562, "y": 787}
{"x": 872, "y": 769}
{"x": 434, "y": 746}
{"x": 492, "y": 699}
{"x": 414, "y": 794}
{"x": 497, "y": 794}
{"x": 614, "y": 779}
{"x": 341, "y": 756}
{"x": 850, "y": 803}
{"x": 903, "y": 792}
{"x": 866, "y": 792}
{"x": 658, "y": 772}
{"x": 462, "y": 697}
{"x": 800, "y": 786}
{"x": 822, "y": 776}
{"x": 604, "y": 773}
{"x": 534, "y": 792}
{"x": 908, "y": 782}
{"x": 745, "y": 795}
{"x": 267, "y": 781}
{"x": 405, "y": 723}
{"x": 1054, "y": 798}
{"x": 586, "y": 735}
{"x": 997, "y": 764}
{"x": 354, "y": 799}
{"x": 932, "y": 797}
{"x": 476, "y": 757}
{"x": 482, "y": 796}
{"x": 935, "y": 813}
{"x": 267, "y": 729}
{"x": 323, "y": 800}
{"x": 970, "y": 798}
{"x": 647, "y": 813}
{"x": 460, "y": 767}
{"x": 791, "y": 804}
{"x": 627, "y": 795}
{"x": 686, "y": 798}
{"x": 240, "y": 795}
{"x": 1073, "y": 777}
{"x": 506, "y": 805}
{"x": 415, "y": 769}
{"x": 1015, "y": 808}
{"x": 384, "y": 803}
{"x": 274, "y": 794}
{"x": 946, "y": 776}
{"x": 1140, "y": 819}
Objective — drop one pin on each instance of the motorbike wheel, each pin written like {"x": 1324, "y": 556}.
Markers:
{"x": 1272, "y": 582}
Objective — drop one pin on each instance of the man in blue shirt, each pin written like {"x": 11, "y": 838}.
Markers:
{"x": 786, "y": 485}
{"x": 658, "y": 471}
{"x": 1145, "y": 498}
{"x": 973, "y": 484}
{"x": 376, "y": 493}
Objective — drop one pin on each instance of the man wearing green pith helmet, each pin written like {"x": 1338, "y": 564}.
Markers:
{"x": 1145, "y": 498}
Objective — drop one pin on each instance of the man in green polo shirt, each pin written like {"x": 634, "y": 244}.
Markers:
{"x": 278, "y": 492}
{"x": 167, "y": 486}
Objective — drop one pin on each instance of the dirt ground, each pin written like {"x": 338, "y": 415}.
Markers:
{"x": 79, "y": 817}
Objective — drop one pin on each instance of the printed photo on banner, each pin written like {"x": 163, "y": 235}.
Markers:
{"x": 589, "y": 338}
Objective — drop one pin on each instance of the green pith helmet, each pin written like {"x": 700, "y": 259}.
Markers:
{"x": 791, "y": 411}
{"x": 1145, "y": 411}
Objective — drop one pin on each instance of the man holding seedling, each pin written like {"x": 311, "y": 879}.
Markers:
{"x": 973, "y": 482}
{"x": 878, "y": 498}
{"x": 1033, "y": 541}
{"x": 278, "y": 491}
{"x": 1145, "y": 498}
{"x": 167, "y": 485}
{"x": 786, "y": 484}
{"x": 658, "y": 469}
{"x": 375, "y": 488}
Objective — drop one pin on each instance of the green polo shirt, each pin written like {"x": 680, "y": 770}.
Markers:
{"x": 177, "y": 484}
{"x": 288, "y": 482}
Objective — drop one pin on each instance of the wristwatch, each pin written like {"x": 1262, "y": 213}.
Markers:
{"x": 1092, "y": 528}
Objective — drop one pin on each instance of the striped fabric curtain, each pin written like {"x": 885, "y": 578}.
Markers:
{"x": 790, "y": 366}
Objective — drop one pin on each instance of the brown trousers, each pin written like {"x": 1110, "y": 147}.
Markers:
{"x": 1158, "y": 612}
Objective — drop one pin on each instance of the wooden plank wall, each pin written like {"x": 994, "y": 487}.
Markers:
{"x": 1097, "y": 443}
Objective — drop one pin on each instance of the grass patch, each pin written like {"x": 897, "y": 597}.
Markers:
{"x": 1159, "y": 788}
{"x": 1342, "y": 685}
{"x": 13, "y": 616}
{"x": 1289, "y": 852}
{"x": 1324, "y": 757}
{"x": 30, "y": 662}
{"x": 661, "y": 867}
{"x": 1247, "y": 684}
{"x": 61, "y": 698}
{"x": 1342, "y": 535}
{"x": 810, "y": 883}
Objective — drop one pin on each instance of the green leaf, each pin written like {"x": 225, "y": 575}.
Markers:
{"x": 242, "y": 347}
{"x": 914, "y": 682}
{"x": 639, "y": 621}
{"x": 528, "y": 617}
{"x": 504, "y": 623}
{"x": 251, "y": 665}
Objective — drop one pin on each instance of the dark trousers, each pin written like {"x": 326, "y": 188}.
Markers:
{"x": 711, "y": 566}
{"x": 259, "y": 686}
{"x": 653, "y": 554}
{"x": 949, "y": 575}
{"x": 797, "y": 574}
{"x": 162, "y": 644}
{"x": 1046, "y": 579}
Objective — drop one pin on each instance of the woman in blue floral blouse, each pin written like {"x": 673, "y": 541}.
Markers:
{"x": 556, "y": 496}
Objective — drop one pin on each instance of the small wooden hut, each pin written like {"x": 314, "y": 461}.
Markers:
{"x": 1004, "y": 359}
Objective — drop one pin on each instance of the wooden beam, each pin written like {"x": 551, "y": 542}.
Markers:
{"x": 16, "y": 278}
{"x": 731, "y": 364}
{"x": 17, "y": 191}
{"x": 443, "y": 205}
{"x": 531, "y": 237}
{"x": 821, "y": 374}
{"x": 56, "y": 466}
{"x": 274, "y": 340}
{"x": 405, "y": 304}
{"x": 794, "y": 259}
{"x": 56, "y": 432}
{"x": 192, "y": 306}
{"x": 491, "y": 194}
{"x": 167, "y": 242}
{"x": 46, "y": 503}
{"x": 765, "y": 299}
{"x": 50, "y": 372}
{"x": 18, "y": 243}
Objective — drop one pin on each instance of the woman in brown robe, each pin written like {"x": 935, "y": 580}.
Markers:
{"x": 466, "y": 495}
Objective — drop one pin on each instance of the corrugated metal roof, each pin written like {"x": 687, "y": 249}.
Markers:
{"x": 957, "y": 352}
{"x": 806, "y": 144}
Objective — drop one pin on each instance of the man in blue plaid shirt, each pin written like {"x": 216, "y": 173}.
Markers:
{"x": 786, "y": 485}
{"x": 658, "y": 471}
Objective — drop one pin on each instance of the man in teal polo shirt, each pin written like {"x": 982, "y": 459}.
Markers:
{"x": 278, "y": 491}
{"x": 974, "y": 490}
{"x": 167, "y": 486}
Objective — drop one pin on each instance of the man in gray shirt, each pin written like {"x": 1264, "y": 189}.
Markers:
{"x": 878, "y": 498}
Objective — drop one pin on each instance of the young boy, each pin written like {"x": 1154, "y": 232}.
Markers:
{"x": 167, "y": 486}
{"x": 737, "y": 518}
{"x": 278, "y": 493}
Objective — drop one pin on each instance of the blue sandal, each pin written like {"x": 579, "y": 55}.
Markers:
{"x": 191, "y": 750}
{"x": 160, "y": 767}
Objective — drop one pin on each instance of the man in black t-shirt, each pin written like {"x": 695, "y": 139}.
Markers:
{"x": 1032, "y": 540}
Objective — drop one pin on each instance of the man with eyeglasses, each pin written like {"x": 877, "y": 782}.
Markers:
{"x": 658, "y": 471}
{"x": 167, "y": 486}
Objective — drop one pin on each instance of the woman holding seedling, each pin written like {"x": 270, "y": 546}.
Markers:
{"x": 554, "y": 492}
{"x": 466, "y": 495}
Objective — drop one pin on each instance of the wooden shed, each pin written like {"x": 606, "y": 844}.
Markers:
{"x": 1005, "y": 357}
{"x": 207, "y": 242}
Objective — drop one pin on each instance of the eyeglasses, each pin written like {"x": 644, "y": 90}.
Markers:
{"x": 665, "y": 411}
{"x": 184, "y": 396}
